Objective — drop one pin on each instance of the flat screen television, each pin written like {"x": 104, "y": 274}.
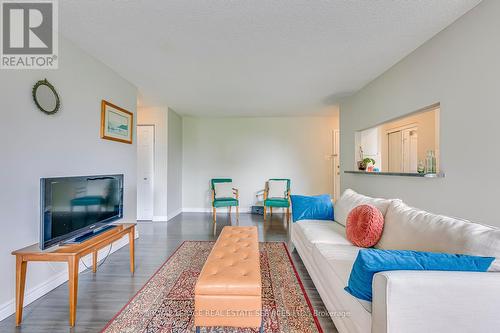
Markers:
{"x": 73, "y": 206}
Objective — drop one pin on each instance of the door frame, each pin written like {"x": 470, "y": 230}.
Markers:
{"x": 335, "y": 157}
{"x": 154, "y": 168}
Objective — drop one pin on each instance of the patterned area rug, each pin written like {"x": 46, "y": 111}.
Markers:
{"x": 166, "y": 302}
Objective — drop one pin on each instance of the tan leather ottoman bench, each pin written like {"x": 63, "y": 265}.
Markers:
{"x": 229, "y": 291}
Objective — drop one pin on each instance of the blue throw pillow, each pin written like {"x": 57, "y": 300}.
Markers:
{"x": 371, "y": 261}
{"x": 317, "y": 207}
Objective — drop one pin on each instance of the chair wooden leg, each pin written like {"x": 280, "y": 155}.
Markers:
{"x": 214, "y": 213}
{"x": 230, "y": 210}
{"x": 265, "y": 213}
{"x": 271, "y": 211}
{"x": 237, "y": 213}
{"x": 288, "y": 215}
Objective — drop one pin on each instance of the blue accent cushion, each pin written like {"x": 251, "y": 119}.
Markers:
{"x": 371, "y": 261}
{"x": 317, "y": 207}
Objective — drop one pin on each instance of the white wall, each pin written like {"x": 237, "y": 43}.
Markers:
{"x": 174, "y": 185}
{"x": 252, "y": 150}
{"x": 157, "y": 116}
{"x": 34, "y": 145}
{"x": 460, "y": 68}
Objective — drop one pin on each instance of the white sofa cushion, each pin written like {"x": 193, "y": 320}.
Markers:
{"x": 310, "y": 232}
{"x": 338, "y": 252}
{"x": 408, "y": 228}
{"x": 351, "y": 199}
{"x": 346, "y": 312}
{"x": 340, "y": 258}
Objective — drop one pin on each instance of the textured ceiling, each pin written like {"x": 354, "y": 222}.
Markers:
{"x": 255, "y": 57}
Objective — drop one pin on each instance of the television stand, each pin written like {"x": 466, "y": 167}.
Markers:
{"x": 88, "y": 235}
{"x": 70, "y": 254}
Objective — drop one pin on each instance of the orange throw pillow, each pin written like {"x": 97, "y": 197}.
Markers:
{"x": 365, "y": 224}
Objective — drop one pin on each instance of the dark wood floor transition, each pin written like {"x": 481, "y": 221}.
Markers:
{"x": 102, "y": 295}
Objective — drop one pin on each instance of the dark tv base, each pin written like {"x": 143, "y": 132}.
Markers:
{"x": 88, "y": 235}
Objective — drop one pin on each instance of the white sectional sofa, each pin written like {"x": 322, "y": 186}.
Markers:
{"x": 403, "y": 301}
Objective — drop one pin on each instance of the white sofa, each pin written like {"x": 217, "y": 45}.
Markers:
{"x": 403, "y": 301}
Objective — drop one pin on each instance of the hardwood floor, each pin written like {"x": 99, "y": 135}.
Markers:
{"x": 103, "y": 294}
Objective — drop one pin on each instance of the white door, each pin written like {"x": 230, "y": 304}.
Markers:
{"x": 336, "y": 165}
{"x": 395, "y": 152}
{"x": 145, "y": 171}
{"x": 410, "y": 150}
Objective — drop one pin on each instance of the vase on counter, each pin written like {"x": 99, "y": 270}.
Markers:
{"x": 430, "y": 162}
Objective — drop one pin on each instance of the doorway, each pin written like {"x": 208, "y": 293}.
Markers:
{"x": 145, "y": 171}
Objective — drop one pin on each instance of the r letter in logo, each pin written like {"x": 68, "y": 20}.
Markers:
{"x": 28, "y": 34}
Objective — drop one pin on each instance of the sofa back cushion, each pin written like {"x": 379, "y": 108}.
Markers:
{"x": 351, "y": 199}
{"x": 408, "y": 228}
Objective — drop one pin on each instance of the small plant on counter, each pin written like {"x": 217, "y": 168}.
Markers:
{"x": 362, "y": 165}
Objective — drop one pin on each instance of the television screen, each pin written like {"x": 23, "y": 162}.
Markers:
{"x": 75, "y": 205}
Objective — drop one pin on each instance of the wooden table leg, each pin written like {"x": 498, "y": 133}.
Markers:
{"x": 131, "y": 239}
{"x": 21, "y": 266}
{"x": 94, "y": 261}
{"x": 73, "y": 265}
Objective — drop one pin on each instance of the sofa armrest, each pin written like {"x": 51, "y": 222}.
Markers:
{"x": 435, "y": 301}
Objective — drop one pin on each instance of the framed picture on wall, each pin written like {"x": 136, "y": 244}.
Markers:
{"x": 117, "y": 124}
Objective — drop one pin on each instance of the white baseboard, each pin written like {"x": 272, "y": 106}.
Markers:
{"x": 8, "y": 308}
{"x": 165, "y": 218}
{"x": 196, "y": 210}
{"x": 209, "y": 210}
{"x": 160, "y": 218}
{"x": 174, "y": 214}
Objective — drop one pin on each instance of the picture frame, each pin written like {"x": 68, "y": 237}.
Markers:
{"x": 117, "y": 124}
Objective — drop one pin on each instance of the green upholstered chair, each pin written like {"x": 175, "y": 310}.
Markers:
{"x": 283, "y": 202}
{"x": 224, "y": 202}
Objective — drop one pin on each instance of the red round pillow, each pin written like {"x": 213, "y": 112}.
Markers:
{"x": 364, "y": 226}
